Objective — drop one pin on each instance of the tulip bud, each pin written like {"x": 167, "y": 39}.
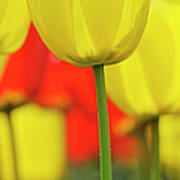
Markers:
{"x": 90, "y": 32}
{"x": 147, "y": 84}
{"x": 14, "y": 24}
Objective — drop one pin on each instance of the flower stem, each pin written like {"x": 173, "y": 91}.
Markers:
{"x": 105, "y": 151}
{"x": 13, "y": 146}
{"x": 155, "y": 149}
{"x": 144, "y": 159}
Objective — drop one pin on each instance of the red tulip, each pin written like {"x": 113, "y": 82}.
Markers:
{"x": 23, "y": 71}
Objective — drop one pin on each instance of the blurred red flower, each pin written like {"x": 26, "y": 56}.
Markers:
{"x": 23, "y": 71}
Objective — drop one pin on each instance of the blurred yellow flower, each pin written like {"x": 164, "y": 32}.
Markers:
{"x": 14, "y": 24}
{"x": 148, "y": 83}
{"x": 169, "y": 141}
{"x": 39, "y": 142}
{"x": 90, "y": 32}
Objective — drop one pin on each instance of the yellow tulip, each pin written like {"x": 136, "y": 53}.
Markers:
{"x": 169, "y": 141}
{"x": 39, "y": 135}
{"x": 148, "y": 83}
{"x": 90, "y": 32}
{"x": 14, "y": 24}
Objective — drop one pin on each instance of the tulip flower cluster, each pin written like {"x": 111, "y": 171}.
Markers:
{"x": 31, "y": 74}
{"x": 74, "y": 115}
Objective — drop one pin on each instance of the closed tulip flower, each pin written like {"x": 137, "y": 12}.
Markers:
{"x": 14, "y": 24}
{"x": 87, "y": 33}
{"x": 147, "y": 84}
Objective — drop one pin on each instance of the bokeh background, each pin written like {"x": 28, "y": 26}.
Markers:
{"x": 48, "y": 123}
{"x": 48, "y": 111}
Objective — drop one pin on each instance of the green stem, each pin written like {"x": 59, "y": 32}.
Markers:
{"x": 155, "y": 149}
{"x": 144, "y": 159}
{"x": 13, "y": 145}
{"x": 105, "y": 151}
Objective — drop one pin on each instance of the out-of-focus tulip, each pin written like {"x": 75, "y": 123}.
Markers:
{"x": 75, "y": 93}
{"x": 23, "y": 71}
{"x": 147, "y": 84}
{"x": 40, "y": 143}
{"x": 169, "y": 141}
{"x": 87, "y": 33}
{"x": 14, "y": 24}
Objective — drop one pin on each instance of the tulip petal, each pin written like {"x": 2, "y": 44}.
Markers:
{"x": 14, "y": 24}
{"x": 87, "y": 33}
